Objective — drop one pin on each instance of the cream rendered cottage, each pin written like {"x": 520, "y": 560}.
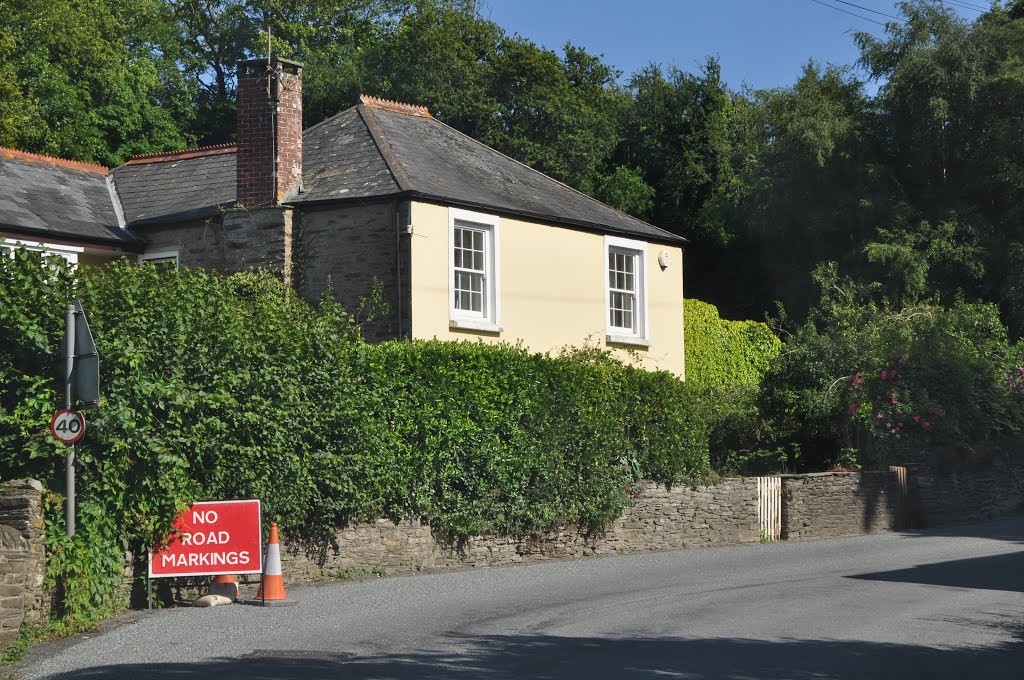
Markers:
{"x": 464, "y": 242}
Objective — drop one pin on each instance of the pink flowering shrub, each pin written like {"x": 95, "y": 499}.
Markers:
{"x": 889, "y": 382}
{"x": 887, "y": 409}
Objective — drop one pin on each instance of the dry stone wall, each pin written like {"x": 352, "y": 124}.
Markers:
{"x": 838, "y": 504}
{"x": 963, "y": 486}
{"x": 22, "y": 556}
{"x": 660, "y": 519}
{"x": 967, "y": 484}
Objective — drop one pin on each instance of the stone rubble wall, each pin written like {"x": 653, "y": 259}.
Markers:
{"x": 833, "y": 504}
{"x": 660, "y": 519}
{"x": 22, "y": 557}
{"x": 967, "y": 484}
{"x": 957, "y": 486}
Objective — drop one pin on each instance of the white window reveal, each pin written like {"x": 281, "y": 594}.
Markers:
{"x": 626, "y": 291}
{"x": 163, "y": 259}
{"x": 69, "y": 253}
{"x": 474, "y": 302}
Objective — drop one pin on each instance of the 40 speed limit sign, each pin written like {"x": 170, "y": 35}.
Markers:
{"x": 67, "y": 426}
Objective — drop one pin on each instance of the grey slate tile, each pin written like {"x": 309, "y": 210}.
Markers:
{"x": 176, "y": 188}
{"x": 41, "y": 197}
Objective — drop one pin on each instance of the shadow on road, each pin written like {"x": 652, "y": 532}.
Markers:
{"x": 1009, "y": 529}
{"x": 508, "y": 657}
{"x": 997, "y": 572}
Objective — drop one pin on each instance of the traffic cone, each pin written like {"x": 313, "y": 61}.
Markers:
{"x": 226, "y": 585}
{"x": 272, "y": 586}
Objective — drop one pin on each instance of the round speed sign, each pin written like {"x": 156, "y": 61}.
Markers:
{"x": 67, "y": 426}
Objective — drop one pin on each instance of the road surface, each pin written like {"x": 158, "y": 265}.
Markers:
{"x": 940, "y": 604}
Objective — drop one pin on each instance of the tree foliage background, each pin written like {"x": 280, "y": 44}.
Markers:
{"x": 905, "y": 168}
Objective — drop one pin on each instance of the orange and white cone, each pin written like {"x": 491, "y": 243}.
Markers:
{"x": 226, "y": 585}
{"x": 272, "y": 587}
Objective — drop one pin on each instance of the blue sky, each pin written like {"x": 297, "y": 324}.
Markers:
{"x": 763, "y": 43}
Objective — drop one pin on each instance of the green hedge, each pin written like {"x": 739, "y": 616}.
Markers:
{"x": 722, "y": 353}
{"x": 725, "y": 363}
{"x": 232, "y": 387}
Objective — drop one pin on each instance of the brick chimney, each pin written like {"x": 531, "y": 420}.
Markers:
{"x": 269, "y": 159}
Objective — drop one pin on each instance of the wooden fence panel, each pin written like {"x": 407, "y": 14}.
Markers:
{"x": 769, "y": 507}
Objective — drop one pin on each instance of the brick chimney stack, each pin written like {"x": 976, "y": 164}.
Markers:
{"x": 269, "y": 160}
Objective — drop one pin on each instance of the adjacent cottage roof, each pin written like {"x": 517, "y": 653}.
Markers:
{"x": 177, "y": 185}
{"x": 52, "y": 198}
{"x": 376, "y": 149}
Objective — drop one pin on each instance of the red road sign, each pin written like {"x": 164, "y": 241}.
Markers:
{"x": 213, "y": 538}
{"x": 67, "y": 426}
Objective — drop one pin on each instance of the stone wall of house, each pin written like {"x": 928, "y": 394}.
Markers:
{"x": 660, "y": 519}
{"x": 198, "y": 242}
{"x": 22, "y": 557}
{"x": 838, "y": 504}
{"x": 345, "y": 251}
{"x": 259, "y": 238}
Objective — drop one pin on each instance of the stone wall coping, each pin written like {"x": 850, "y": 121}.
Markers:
{"x": 807, "y": 475}
{"x": 23, "y": 484}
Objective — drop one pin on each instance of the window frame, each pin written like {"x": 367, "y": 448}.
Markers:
{"x": 640, "y": 335}
{"x": 68, "y": 252}
{"x": 490, "y": 319}
{"x": 160, "y": 255}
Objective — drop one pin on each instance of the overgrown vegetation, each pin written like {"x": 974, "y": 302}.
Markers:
{"x": 866, "y": 373}
{"x": 867, "y": 380}
{"x": 232, "y": 387}
{"x": 726, "y": 362}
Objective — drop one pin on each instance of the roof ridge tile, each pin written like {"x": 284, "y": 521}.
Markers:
{"x": 395, "y": 107}
{"x": 15, "y": 154}
{"x": 211, "y": 150}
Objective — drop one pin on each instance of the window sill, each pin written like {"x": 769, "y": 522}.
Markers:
{"x": 474, "y": 325}
{"x": 631, "y": 340}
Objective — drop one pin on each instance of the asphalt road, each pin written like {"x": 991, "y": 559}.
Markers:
{"x": 942, "y": 604}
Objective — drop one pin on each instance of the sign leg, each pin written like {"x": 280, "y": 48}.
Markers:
{"x": 69, "y": 481}
{"x": 69, "y": 367}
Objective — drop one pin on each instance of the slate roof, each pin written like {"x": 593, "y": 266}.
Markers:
{"x": 177, "y": 185}
{"x": 385, "y": 148}
{"x": 340, "y": 159}
{"x": 375, "y": 149}
{"x": 58, "y": 199}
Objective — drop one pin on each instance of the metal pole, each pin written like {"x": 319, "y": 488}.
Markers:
{"x": 69, "y": 468}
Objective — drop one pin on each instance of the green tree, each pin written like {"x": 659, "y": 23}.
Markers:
{"x": 809, "y": 186}
{"x": 949, "y": 112}
{"x": 86, "y": 80}
{"x": 677, "y": 131}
